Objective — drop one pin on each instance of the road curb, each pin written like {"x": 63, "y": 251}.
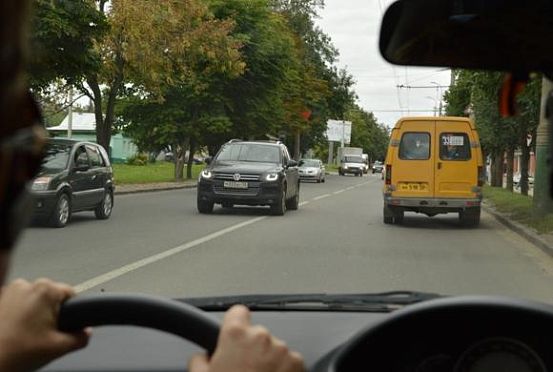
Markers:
{"x": 521, "y": 230}
{"x": 154, "y": 189}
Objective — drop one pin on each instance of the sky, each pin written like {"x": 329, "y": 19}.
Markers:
{"x": 353, "y": 26}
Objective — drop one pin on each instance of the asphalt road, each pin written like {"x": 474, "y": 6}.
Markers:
{"x": 336, "y": 242}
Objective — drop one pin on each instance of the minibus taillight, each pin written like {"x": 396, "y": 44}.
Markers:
{"x": 481, "y": 176}
{"x": 388, "y": 174}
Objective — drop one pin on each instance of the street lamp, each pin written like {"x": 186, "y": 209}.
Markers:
{"x": 435, "y": 104}
{"x": 438, "y": 95}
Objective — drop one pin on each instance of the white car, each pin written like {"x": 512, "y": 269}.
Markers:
{"x": 312, "y": 169}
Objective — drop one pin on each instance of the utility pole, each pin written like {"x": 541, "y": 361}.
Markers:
{"x": 330, "y": 152}
{"x": 343, "y": 133}
{"x": 543, "y": 203}
{"x": 70, "y": 114}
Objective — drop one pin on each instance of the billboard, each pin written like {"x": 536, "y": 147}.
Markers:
{"x": 338, "y": 129}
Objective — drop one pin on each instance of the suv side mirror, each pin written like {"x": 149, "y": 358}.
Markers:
{"x": 208, "y": 160}
{"x": 292, "y": 163}
{"x": 81, "y": 167}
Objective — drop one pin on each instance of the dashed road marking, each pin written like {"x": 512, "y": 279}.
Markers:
{"x": 321, "y": 197}
{"x": 104, "y": 278}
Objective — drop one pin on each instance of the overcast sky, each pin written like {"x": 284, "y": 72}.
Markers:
{"x": 354, "y": 26}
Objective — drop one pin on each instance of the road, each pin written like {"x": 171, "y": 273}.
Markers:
{"x": 336, "y": 242}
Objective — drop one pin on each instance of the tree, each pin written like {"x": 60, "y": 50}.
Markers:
{"x": 154, "y": 45}
{"x": 62, "y": 42}
{"x": 329, "y": 90}
{"x": 255, "y": 100}
{"x": 367, "y": 133}
{"x": 478, "y": 91}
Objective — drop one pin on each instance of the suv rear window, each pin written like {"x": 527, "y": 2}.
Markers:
{"x": 454, "y": 146}
{"x": 415, "y": 146}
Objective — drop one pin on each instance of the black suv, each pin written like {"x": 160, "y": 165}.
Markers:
{"x": 250, "y": 173}
{"x": 75, "y": 176}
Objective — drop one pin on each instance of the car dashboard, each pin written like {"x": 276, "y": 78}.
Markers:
{"x": 469, "y": 334}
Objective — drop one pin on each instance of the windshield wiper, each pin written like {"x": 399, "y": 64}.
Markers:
{"x": 385, "y": 301}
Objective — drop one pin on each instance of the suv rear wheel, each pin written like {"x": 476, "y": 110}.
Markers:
{"x": 279, "y": 208}
{"x": 293, "y": 204}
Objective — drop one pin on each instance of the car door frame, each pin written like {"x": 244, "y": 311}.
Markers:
{"x": 292, "y": 174}
{"x": 463, "y": 172}
{"x": 81, "y": 190}
{"x": 98, "y": 174}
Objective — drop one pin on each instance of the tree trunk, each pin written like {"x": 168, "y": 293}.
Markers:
{"x": 524, "y": 165}
{"x": 101, "y": 136}
{"x": 104, "y": 124}
{"x": 497, "y": 170}
{"x": 510, "y": 167}
{"x": 179, "y": 150}
{"x": 191, "y": 151}
{"x": 297, "y": 145}
{"x": 493, "y": 166}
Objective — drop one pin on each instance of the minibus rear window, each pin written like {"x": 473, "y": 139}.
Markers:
{"x": 415, "y": 146}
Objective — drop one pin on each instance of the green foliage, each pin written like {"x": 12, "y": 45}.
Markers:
{"x": 151, "y": 173}
{"x": 140, "y": 159}
{"x": 478, "y": 91}
{"x": 62, "y": 42}
{"x": 367, "y": 133}
{"x": 193, "y": 72}
{"x": 519, "y": 208}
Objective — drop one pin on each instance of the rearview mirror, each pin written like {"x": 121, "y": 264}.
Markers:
{"x": 508, "y": 35}
{"x": 292, "y": 163}
{"x": 208, "y": 160}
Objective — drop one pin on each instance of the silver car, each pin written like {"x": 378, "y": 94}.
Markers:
{"x": 312, "y": 169}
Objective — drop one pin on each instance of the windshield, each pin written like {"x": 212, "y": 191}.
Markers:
{"x": 56, "y": 156}
{"x": 353, "y": 159}
{"x": 210, "y": 111}
{"x": 309, "y": 163}
{"x": 250, "y": 152}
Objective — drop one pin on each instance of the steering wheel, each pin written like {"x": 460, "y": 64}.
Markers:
{"x": 173, "y": 317}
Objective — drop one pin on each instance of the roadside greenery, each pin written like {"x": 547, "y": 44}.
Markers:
{"x": 519, "y": 208}
{"x": 190, "y": 75}
{"x": 475, "y": 93}
{"x": 160, "y": 171}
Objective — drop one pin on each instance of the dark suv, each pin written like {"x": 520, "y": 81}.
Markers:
{"x": 250, "y": 173}
{"x": 75, "y": 176}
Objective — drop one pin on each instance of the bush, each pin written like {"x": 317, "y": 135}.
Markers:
{"x": 138, "y": 159}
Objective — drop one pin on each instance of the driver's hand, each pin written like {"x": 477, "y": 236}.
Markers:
{"x": 246, "y": 348}
{"x": 29, "y": 337}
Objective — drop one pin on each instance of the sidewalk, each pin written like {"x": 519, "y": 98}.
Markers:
{"x": 149, "y": 187}
{"x": 542, "y": 241}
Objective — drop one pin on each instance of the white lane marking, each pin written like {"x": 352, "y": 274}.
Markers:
{"x": 104, "y": 278}
{"x": 101, "y": 279}
{"x": 321, "y": 197}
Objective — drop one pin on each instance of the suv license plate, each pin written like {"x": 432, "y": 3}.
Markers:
{"x": 235, "y": 185}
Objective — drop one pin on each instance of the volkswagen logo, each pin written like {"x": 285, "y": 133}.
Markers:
{"x": 236, "y": 176}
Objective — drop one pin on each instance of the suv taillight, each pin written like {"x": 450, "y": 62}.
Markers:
{"x": 388, "y": 174}
{"x": 481, "y": 176}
